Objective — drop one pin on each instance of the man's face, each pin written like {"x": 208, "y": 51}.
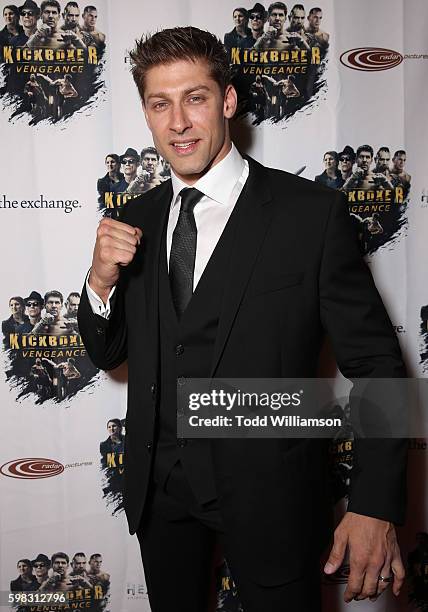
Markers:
{"x": 73, "y": 305}
{"x": 28, "y": 18}
{"x": 345, "y": 163}
{"x": 111, "y": 164}
{"x": 53, "y": 306}
{"x": 71, "y": 18}
{"x": 314, "y": 21}
{"x": 79, "y": 564}
{"x": 297, "y": 19}
{"x": 277, "y": 18}
{"x": 149, "y": 162}
{"x": 15, "y": 307}
{"x": 256, "y": 20}
{"x": 10, "y": 18}
{"x": 129, "y": 167}
{"x": 364, "y": 160}
{"x": 90, "y": 19}
{"x": 40, "y": 569}
{"x": 50, "y": 16}
{"x": 60, "y": 565}
{"x": 24, "y": 569}
{"x": 399, "y": 161}
{"x": 187, "y": 114}
{"x": 34, "y": 308}
{"x": 95, "y": 564}
{"x": 238, "y": 18}
{"x": 112, "y": 428}
{"x": 383, "y": 160}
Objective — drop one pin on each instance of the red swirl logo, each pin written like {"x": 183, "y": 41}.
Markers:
{"x": 31, "y": 468}
{"x": 371, "y": 59}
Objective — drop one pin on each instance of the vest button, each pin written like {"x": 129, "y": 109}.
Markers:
{"x": 153, "y": 389}
{"x": 179, "y": 349}
{"x": 181, "y": 381}
{"x": 149, "y": 446}
{"x": 181, "y": 442}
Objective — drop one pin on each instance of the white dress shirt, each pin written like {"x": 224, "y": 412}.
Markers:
{"x": 221, "y": 186}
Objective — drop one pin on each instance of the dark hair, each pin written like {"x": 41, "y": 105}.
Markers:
{"x": 27, "y": 561}
{"x": 175, "y": 44}
{"x": 116, "y": 422}
{"x": 113, "y": 156}
{"x": 15, "y": 11}
{"x": 241, "y": 10}
{"x": 94, "y": 555}
{"x": 399, "y": 152}
{"x": 316, "y": 9}
{"x": 386, "y": 149}
{"x": 333, "y": 154}
{"x": 54, "y": 3}
{"x": 74, "y": 294}
{"x": 19, "y": 299}
{"x": 299, "y": 7}
{"x": 79, "y": 554}
{"x": 277, "y": 5}
{"x": 60, "y": 555}
{"x": 54, "y": 293}
{"x": 89, "y": 8}
{"x": 365, "y": 148}
{"x": 149, "y": 150}
{"x": 71, "y": 360}
{"x": 69, "y": 4}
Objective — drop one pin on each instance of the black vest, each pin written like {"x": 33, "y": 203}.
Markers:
{"x": 186, "y": 349}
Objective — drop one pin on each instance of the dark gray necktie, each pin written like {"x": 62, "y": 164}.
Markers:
{"x": 183, "y": 251}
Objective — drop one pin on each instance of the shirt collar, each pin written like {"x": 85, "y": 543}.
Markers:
{"x": 218, "y": 183}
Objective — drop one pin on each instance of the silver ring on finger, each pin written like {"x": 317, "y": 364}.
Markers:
{"x": 386, "y": 578}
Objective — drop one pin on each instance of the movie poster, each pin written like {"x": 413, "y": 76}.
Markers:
{"x": 113, "y": 465}
{"x": 227, "y": 594}
{"x": 377, "y": 188}
{"x": 341, "y": 453}
{"x": 58, "y": 582}
{"x": 46, "y": 355}
{"x": 278, "y": 59}
{"x": 51, "y": 59}
{"x": 128, "y": 176}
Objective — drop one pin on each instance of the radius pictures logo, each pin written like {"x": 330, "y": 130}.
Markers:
{"x": 371, "y": 59}
{"x": 31, "y": 468}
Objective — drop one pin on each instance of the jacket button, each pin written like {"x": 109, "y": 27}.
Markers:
{"x": 149, "y": 446}
{"x": 179, "y": 349}
{"x": 181, "y": 381}
{"x": 153, "y": 389}
{"x": 181, "y": 442}
{"x": 100, "y": 331}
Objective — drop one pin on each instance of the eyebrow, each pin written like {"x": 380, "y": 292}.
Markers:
{"x": 163, "y": 94}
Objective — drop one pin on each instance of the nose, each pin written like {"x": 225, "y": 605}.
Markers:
{"x": 179, "y": 120}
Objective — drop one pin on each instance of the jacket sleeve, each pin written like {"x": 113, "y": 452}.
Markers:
{"x": 365, "y": 346}
{"x": 104, "y": 339}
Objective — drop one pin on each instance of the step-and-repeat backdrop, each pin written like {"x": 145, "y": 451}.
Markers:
{"x": 334, "y": 91}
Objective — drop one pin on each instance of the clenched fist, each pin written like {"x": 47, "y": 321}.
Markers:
{"x": 115, "y": 246}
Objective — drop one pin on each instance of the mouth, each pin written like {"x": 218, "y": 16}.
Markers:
{"x": 185, "y": 148}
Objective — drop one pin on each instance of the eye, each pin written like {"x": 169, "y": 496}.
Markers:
{"x": 196, "y": 99}
{"x": 159, "y": 105}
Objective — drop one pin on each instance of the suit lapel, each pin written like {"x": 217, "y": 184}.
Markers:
{"x": 253, "y": 221}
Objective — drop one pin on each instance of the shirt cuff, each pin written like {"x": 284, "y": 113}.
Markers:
{"x": 97, "y": 305}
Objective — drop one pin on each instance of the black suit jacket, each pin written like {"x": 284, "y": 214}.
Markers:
{"x": 295, "y": 273}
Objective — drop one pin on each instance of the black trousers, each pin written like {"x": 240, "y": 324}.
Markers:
{"x": 179, "y": 541}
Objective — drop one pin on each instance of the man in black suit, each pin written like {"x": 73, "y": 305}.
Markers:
{"x": 234, "y": 270}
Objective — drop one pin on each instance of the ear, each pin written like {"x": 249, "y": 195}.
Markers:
{"x": 230, "y": 102}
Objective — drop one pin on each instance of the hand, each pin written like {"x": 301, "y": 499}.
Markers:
{"x": 115, "y": 246}
{"x": 373, "y": 552}
{"x": 143, "y": 174}
{"x": 44, "y": 29}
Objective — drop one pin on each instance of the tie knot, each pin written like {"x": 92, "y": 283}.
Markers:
{"x": 189, "y": 198}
